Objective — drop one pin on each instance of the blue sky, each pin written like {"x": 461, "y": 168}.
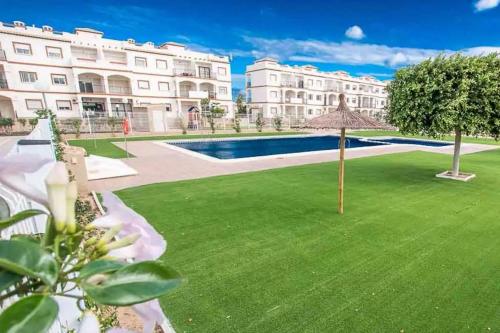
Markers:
{"x": 361, "y": 37}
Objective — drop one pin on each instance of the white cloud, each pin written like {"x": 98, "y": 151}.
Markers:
{"x": 486, "y": 4}
{"x": 350, "y": 53}
{"x": 355, "y": 32}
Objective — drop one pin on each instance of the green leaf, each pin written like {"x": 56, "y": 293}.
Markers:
{"x": 25, "y": 214}
{"x": 34, "y": 313}
{"x": 132, "y": 284}
{"x": 7, "y": 279}
{"x": 100, "y": 267}
{"x": 26, "y": 258}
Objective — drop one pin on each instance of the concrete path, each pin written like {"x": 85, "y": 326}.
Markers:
{"x": 156, "y": 163}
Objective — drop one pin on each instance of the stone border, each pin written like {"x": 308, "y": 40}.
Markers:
{"x": 462, "y": 176}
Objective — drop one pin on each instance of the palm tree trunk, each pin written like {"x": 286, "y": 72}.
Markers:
{"x": 456, "y": 154}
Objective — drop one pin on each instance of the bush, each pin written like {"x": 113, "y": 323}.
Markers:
{"x": 33, "y": 122}
{"x": 236, "y": 125}
{"x": 77, "y": 124}
{"x": 278, "y": 123}
{"x": 6, "y": 125}
{"x": 259, "y": 122}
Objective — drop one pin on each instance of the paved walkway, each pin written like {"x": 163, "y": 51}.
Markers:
{"x": 156, "y": 163}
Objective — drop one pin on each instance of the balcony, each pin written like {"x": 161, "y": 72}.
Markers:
{"x": 2, "y": 55}
{"x": 197, "y": 94}
{"x": 91, "y": 88}
{"x": 120, "y": 90}
{"x": 294, "y": 100}
{"x": 3, "y": 84}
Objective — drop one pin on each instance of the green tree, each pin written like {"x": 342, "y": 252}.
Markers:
{"x": 236, "y": 124}
{"x": 259, "y": 122}
{"x": 33, "y": 122}
{"x": 113, "y": 122}
{"x": 241, "y": 108}
{"x": 447, "y": 94}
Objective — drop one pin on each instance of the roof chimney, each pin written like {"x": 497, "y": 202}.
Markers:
{"x": 47, "y": 28}
{"x": 131, "y": 41}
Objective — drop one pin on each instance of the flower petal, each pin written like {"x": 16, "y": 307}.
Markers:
{"x": 150, "y": 313}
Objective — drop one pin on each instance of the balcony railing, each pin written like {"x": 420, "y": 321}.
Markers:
{"x": 2, "y": 55}
{"x": 197, "y": 94}
{"x": 92, "y": 89}
{"x": 184, "y": 72}
{"x": 3, "y": 84}
{"x": 120, "y": 90}
{"x": 189, "y": 72}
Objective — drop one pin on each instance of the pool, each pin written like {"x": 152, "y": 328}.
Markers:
{"x": 243, "y": 148}
{"x": 413, "y": 142}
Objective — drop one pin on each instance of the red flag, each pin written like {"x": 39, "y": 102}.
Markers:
{"x": 125, "y": 126}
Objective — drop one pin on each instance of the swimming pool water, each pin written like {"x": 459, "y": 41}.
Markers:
{"x": 233, "y": 149}
{"x": 415, "y": 142}
{"x": 229, "y": 149}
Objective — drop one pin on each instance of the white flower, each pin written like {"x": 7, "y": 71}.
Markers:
{"x": 56, "y": 182}
{"x": 151, "y": 245}
{"x": 12, "y": 169}
{"x": 71, "y": 196}
{"x": 150, "y": 313}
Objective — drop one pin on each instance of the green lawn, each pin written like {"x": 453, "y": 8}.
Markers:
{"x": 487, "y": 141}
{"x": 105, "y": 147}
{"x": 267, "y": 252}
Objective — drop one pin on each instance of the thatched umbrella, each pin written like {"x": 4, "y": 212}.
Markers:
{"x": 341, "y": 119}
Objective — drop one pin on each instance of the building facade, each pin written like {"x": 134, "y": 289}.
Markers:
{"x": 80, "y": 73}
{"x": 303, "y": 92}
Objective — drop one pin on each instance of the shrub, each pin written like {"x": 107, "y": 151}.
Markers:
{"x": 77, "y": 124}
{"x": 278, "y": 123}
{"x": 260, "y": 122}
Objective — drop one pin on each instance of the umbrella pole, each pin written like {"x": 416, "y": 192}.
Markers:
{"x": 341, "y": 171}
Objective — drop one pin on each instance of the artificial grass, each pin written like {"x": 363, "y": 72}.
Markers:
{"x": 466, "y": 139}
{"x": 106, "y": 148}
{"x": 267, "y": 252}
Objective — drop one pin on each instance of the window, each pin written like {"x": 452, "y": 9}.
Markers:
{"x": 382, "y": 103}
{"x": 143, "y": 84}
{"x": 353, "y": 87}
{"x": 309, "y": 83}
{"x": 204, "y": 72}
{"x": 141, "y": 62}
{"x": 318, "y": 97}
{"x": 354, "y": 101}
{"x": 274, "y": 94}
{"x": 222, "y": 71}
{"x": 54, "y": 52}
{"x": 59, "y": 79}
{"x": 310, "y": 111}
{"x": 63, "y": 105}
{"x": 34, "y": 104}
{"x": 274, "y": 110}
{"x": 22, "y": 48}
{"x": 223, "y": 90}
{"x": 161, "y": 64}
{"x": 274, "y": 77}
{"x": 347, "y": 87}
{"x": 163, "y": 86}
{"x": 28, "y": 77}
{"x": 310, "y": 97}
{"x": 318, "y": 83}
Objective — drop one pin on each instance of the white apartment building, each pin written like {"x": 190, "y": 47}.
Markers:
{"x": 302, "y": 92}
{"x": 71, "y": 73}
